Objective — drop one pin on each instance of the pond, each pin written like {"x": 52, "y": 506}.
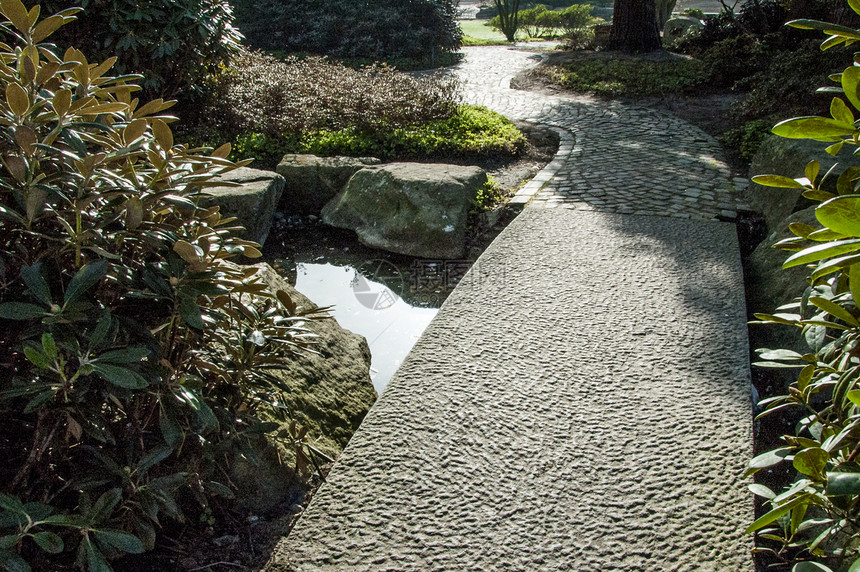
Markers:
{"x": 388, "y": 298}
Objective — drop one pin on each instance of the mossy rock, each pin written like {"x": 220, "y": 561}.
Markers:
{"x": 789, "y": 157}
{"x": 330, "y": 393}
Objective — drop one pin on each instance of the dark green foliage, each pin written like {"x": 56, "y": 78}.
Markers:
{"x": 630, "y": 77}
{"x": 814, "y": 524}
{"x": 134, "y": 356}
{"x": 787, "y": 85}
{"x": 542, "y": 22}
{"x": 268, "y": 108}
{"x": 378, "y": 29}
{"x": 174, "y": 44}
{"x": 747, "y": 138}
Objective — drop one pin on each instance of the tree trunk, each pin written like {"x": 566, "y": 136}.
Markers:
{"x": 634, "y": 27}
{"x": 509, "y": 13}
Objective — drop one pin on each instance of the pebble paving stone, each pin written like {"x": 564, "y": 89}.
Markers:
{"x": 582, "y": 399}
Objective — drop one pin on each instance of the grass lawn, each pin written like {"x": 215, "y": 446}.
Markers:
{"x": 478, "y": 33}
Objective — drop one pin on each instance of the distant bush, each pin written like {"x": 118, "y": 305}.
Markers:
{"x": 268, "y": 107}
{"x": 174, "y": 44}
{"x": 622, "y": 77}
{"x": 260, "y": 93}
{"x": 378, "y": 29}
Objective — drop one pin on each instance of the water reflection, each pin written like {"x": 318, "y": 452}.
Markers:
{"x": 368, "y": 302}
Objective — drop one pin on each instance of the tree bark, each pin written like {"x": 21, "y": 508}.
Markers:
{"x": 634, "y": 27}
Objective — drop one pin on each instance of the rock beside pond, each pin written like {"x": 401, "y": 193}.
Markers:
{"x": 789, "y": 157}
{"x": 329, "y": 393}
{"x": 313, "y": 181}
{"x": 253, "y": 202}
{"x": 416, "y": 209}
{"x": 676, "y": 26}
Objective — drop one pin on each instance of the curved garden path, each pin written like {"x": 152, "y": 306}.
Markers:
{"x": 581, "y": 401}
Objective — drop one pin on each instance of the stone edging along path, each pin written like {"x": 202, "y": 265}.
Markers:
{"x": 581, "y": 401}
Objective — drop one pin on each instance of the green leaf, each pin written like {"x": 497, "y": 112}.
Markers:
{"x": 842, "y": 484}
{"x": 840, "y": 112}
{"x": 120, "y": 540}
{"x": 95, "y": 559}
{"x": 153, "y": 458}
{"x": 841, "y": 214}
{"x": 776, "y": 513}
{"x": 822, "y": 251}
{"x": 855, "y": 567}
{"x": 21, "y": 311}
{"x": 835, "y": 148}
{"x": 770, "y": 458}
{"x": 855, "y": 5}
{"x": 36, "y": 284}
{"x": 49, "y": 542}
{"x": 767, "y": 354}
{"x": 811, "y": 170}
{"x": 49, "y": 346}
{"x": 834, "y": 310}
{"x": 37, "y": 358}
{"x": 761, "y": 491}
{"x": 204, "y": 412}
{"x": 191, "y": 313}
{"x": 808, "y": 566}
{"x": 120, "y": 376}
{"x": 826, "y": 27}
{"x": 86, "y": 277}
{"x": 811, "y": 461}
{"x": 777, "y": 181}
{"x": 850, "y": 80}
{"x": 103, "y": 507}
{"x": 817, "y": 128}
{"x": 815, "y": 336}
{"x": 101, "y": 330}
{"x": 804, "y": 377}
{"x": 854, "y": 283}
{"x": 11, "y": 562}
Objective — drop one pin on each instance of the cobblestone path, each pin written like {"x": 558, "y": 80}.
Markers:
{"x": 581, "y": 400}
{"x": 614, "y": 158}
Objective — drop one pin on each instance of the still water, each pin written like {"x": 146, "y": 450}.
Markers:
{"x": 387, "y": 298}
{"x": 369, "y": 308}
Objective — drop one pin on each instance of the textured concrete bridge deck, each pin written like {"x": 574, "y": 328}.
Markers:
{"x": 581, "y": 401}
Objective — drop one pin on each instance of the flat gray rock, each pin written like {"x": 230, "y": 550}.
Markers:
{"x": 313, "y": 181}
{"x": 252, "y": 203}
{"x": 580, "y": 402}
{"x": 417, "y": 209}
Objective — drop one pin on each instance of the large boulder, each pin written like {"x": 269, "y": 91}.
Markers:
{"x": 789, "y": 157}
{"x": 770, "y": 286}
{"x": 251, "y": 198}
{"x": 313, "y": 181}
{"x": 677, "y": 26}
{"x": 415, "y": 209}
{"x": 330, "y": 392}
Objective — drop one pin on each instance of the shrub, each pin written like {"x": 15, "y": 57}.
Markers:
{"x": 627, "y": 77}
{"x": 377, "y": 29}
{"x": 134, "y": 355}
{"x": 531, "y": 21}
{"x": 747, "y": 138}
{"x": 262, "y": 94}
{"x": 816, "y": 518}
{"x": 174, "y": 44}
{"x": 311, "y": 105}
